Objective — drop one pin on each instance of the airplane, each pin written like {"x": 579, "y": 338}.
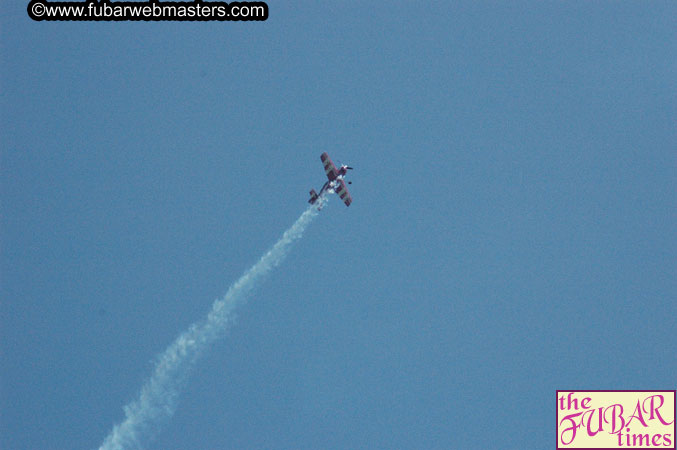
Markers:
{"x": 335, "y": 183}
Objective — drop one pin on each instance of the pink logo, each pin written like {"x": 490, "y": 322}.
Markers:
{"x": 616, "y": 419}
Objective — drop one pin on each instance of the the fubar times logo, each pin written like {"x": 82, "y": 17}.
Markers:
{"x": 616, "y": 420}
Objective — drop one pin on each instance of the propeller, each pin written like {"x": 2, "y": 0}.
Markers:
{"x": 341, "y": 165}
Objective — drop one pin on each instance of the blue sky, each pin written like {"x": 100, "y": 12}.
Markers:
{"x": 512, "y": 232}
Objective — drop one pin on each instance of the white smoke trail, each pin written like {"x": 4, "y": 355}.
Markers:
{"x": 159, "y": 395}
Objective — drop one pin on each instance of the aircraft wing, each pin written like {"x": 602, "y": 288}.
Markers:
{"x": 342, "y": 192}
{"x": 329, "y": 167}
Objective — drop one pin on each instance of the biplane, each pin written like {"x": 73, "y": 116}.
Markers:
{"x": 335, "y": 183}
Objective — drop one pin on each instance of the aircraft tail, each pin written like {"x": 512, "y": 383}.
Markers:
{"x": 313, "y": 197}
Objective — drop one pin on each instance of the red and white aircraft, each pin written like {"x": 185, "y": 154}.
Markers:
{"x": 335, "y": 183}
